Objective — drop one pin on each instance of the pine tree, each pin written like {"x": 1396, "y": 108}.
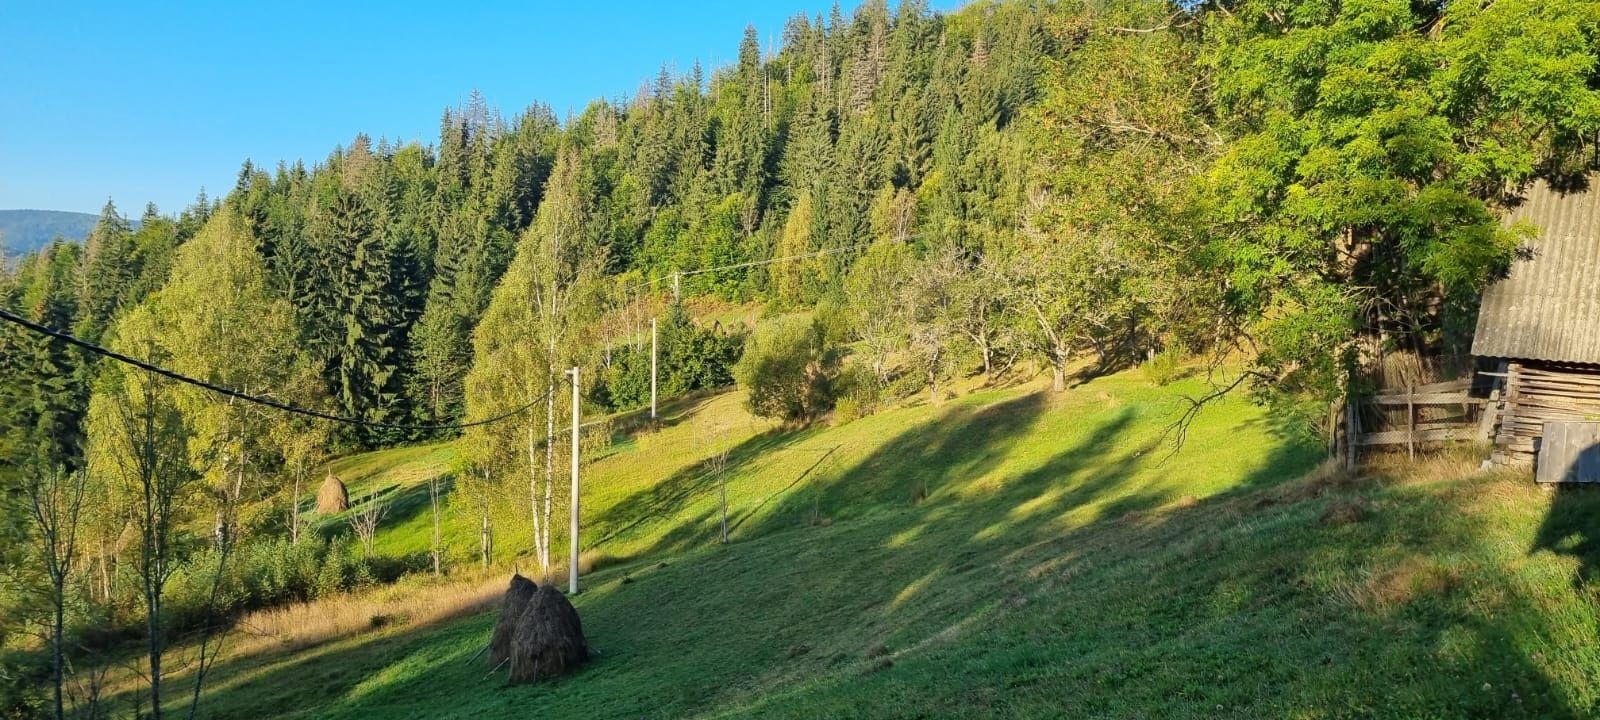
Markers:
{"x": 108, "y": 272}
{"x": 363, "y": 357}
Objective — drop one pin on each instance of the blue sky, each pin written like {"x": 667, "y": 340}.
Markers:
{"x": 107, "y": 99}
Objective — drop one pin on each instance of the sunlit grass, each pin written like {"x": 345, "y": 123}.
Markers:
{"x": 1016, "y": 554}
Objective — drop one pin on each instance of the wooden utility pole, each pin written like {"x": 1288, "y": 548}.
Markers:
{"x": 652, "y": 368}
{"x": 676, "y": 297}
{"x": 572, "y": 581}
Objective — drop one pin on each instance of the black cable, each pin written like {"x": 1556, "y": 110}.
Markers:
{"x": 11, "y": 317}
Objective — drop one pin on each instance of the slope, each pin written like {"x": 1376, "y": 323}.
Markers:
{"x": 1015, "y": 554}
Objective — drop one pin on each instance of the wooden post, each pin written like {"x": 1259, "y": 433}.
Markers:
{"x": 1333, "y": 429}
{"x": 1352, "y": 432}
{"x": 1411, "y": 422}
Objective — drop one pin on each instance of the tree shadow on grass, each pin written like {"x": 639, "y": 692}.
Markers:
{"x": 1571, "y": 527}
{"x": 1081, "y": 583}
{"x": 665, "y": 500}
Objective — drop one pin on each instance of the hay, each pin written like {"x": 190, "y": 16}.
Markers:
{"x": 516, "y": 601}
{"x": 332, "y": 497}
{"x": 549, "y": 638}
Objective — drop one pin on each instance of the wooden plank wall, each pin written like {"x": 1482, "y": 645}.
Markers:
{"x": 1569, "y": 452}
{"x": 1535, "y": 393}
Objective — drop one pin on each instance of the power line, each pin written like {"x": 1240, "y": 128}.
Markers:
{"x": 16, "y": 319}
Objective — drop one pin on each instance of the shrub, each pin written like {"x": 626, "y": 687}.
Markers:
{"x": 1164, "y": 367}
{"x": 858, "y": 393}
{"x": 789, "y": 370}
{"x": 260, "y": 574}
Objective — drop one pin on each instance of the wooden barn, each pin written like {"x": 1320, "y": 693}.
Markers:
{"x": 1542, "y": 324}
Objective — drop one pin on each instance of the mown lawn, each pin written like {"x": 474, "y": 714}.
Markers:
{"x": 1017, "y": 554}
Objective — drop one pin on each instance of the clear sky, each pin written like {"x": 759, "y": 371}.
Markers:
{"x": 110, "y": 99}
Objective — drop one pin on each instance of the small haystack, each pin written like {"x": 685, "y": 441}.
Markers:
{"x": 549, "y": 638}
{"x": 332, "y": 497}
{"x": 516, "y": 601}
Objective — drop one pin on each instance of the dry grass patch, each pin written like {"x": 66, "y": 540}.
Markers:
{"x": 303, "y": 625}
{"x": 1413, "y": 578}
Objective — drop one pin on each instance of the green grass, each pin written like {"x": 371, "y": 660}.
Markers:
{"x": 399, "y": 477}
{"x": 1016, "y": 554}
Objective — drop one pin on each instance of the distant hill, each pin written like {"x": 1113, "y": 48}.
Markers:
{"x": 25, "y": 230}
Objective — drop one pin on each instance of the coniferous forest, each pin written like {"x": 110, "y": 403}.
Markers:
{"x": 1287, "y": 188}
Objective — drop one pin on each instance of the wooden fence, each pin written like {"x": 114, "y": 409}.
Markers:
{"x": 1416, "y": 417}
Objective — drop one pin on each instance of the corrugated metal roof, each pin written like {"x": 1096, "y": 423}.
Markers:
{"x": 1549, "y": 306}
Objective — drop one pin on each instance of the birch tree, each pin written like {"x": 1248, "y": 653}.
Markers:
{"x": 139, "y": 449}
{"x": 538, "y": 321}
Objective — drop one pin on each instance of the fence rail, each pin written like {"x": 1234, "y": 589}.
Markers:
{"x": 1370, "y": 422}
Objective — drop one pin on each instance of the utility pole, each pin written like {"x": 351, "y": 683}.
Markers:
{"x": 652, "y": 368}
{"x": 675, "y": 296}
{"x": 572, "y": 582}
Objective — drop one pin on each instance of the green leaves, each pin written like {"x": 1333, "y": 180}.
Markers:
{"x": 1371, "y": 142}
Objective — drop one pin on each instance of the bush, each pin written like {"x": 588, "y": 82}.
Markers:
{"x": 858, "y": 393}
{"x": 789, "y": 370}
{"x": 1164, "y": 367}
{"x": 261, "y": 574}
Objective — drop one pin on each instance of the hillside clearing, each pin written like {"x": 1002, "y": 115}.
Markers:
{"x": 1016, "y": 554}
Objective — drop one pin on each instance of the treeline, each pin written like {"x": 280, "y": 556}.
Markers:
{"x": 1298, "y": 187}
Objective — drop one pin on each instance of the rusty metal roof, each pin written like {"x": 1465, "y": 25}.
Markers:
{"x": 1549, "y": 306}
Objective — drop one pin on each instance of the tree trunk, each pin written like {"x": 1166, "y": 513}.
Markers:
{"x": 433, "y": 498}
{"x": 294, "y": 506}
{"x": 533, "y": 492}
{"x": 57, "y": 665}
{"x": 153, "y": 627}
{"x": 483, "y": 543}
{"x": 549, "y": 470}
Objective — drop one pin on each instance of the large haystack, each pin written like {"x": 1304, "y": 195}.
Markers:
{"x": 332, "y": 497}
{"x": 516, "y": 601}
{"x": 549, "y": 638}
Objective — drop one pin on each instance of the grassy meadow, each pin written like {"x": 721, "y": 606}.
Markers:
{"x": 1008, "y": 553}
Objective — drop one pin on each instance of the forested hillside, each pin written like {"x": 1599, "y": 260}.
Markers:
{"x": 24, "y": 231}
{"x": 910, "y": 198}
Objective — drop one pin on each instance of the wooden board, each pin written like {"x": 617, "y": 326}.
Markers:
{"x": 1569, "y": 452}
{"x": 1459, "y": 398}
{"x": 1402, "y": 437}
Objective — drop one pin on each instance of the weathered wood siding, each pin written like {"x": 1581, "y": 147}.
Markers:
{"x": 1569, "y": 452}
{"x": 1538, "y": 393}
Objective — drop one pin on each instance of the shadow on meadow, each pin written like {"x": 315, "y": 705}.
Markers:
{"x": 1081, "y": 585}
{"x": 1572, "y": 528}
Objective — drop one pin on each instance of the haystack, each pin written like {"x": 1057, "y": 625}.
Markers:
{"x": 516, "y": 601}
{"x": 332, "y": 497}
{"x": 549, "y": 638}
